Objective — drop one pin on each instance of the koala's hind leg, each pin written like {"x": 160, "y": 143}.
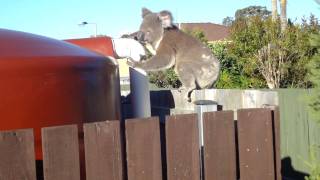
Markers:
{"x": 207, "y": 75}
{"x": 188, "y": 81}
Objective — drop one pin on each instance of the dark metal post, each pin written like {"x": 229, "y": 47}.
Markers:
{"x": 200, "y": 107}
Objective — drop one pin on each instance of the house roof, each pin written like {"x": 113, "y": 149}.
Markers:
{"x": 213, "y": 32}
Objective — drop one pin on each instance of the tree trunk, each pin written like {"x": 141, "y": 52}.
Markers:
{"x": 274, "y": 10}
{"x": 270, "y": 65}
{"x": 283, "y": 5}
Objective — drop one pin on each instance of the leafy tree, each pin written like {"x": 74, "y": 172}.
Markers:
{"x": 247, "y": 12}
{"x": 314, "y": 105}
{"x": 231, "y": 74}
{"x": 245, "y": 41}
{"x": 227, "y": 21}
{"x": 314, "y": 164}
{"x": 199, "y": 34}
{"x": 314, "y": 76}
{"x": 266, "y": 54}
{"x": 252, "y": 11}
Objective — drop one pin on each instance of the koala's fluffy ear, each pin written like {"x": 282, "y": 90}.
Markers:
{"x": 145, "y": 12}
{"x": 166, "y": 19}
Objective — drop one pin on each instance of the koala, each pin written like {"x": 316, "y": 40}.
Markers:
{"x": 193, "y": 62}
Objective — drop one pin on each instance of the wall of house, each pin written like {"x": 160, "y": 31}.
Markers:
{"x": 123, "y": 71}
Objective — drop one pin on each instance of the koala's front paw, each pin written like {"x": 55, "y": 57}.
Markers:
{"x": 131, "y": 63}
{"x": 143, "y": 57}
{"x": 182, "y": 88}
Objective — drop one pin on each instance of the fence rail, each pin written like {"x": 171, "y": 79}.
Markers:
{"x": 145, "y": 149}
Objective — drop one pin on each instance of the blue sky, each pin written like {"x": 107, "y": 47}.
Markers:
{"x": 60, "y": 18}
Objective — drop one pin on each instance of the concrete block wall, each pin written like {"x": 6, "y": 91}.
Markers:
{"x": 167, "y": 102}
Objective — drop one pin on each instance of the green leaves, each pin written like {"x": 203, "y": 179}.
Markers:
{"x": 165, "y": 79}
{"x": 235, "y": 72}
{"x": 199, "y": 35}
{"x": 314, "y": 77}
{"x": 284, "y": 63}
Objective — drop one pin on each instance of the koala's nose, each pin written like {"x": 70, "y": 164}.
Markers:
{"x": 140, "y": 36}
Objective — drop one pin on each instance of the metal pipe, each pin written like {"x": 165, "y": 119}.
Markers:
{"x": 202, "y": 106}
{"x": 140, "y": 95}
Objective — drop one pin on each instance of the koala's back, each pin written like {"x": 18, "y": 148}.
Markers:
{"x": 186, "y": 47}
{"x": 192, "y": 57}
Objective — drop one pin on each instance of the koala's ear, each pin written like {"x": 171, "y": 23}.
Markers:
{"x": 166, "y": 19}
{"x": 145, "y": 12}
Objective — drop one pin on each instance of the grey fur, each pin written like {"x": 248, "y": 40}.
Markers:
{"x": 193, "y": 62}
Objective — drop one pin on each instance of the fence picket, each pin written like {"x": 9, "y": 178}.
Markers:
{"x": 103, "y": 150}
{"x": 182, "y": 140}
{"x": 60, "y": 147}
{"x": 17, "y": 158}
{"x": 219, "y": 145}
{"x": 256, "y": 154}
{"x": 276, "y": 134}
{"x": 143, "y": 149}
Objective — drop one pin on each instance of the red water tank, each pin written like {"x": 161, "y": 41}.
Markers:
{"x": 46, "y": 82}
{"x": 102, "y": 45}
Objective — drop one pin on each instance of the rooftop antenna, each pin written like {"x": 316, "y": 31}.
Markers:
{"x": 84, "y": 23}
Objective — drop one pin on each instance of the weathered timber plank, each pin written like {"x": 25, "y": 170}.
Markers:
{"x": 60, "y": 147}
{"x": 143, "y": 149}
{"x": 103, "y": 151}
{"x": 219, "y": 145}
{"x": 255, "y": 136}
{"x": 182, "y": 138}
{"x": 17, "y": 156}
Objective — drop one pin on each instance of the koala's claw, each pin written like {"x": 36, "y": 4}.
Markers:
{"x": 131, "y": 63}
{"x": 181, "y": 89}
{"x": 185, "y": 94}
{"x": 143, "y": 57}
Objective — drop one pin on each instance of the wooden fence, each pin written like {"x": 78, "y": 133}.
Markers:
{"x": 299, "y": 133}
{"x": 145, "y": 149}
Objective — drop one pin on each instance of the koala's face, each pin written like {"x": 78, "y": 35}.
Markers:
{"x": 151, "y": 29}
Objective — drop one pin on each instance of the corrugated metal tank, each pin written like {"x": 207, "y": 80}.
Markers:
{"x": 46, "y": 82}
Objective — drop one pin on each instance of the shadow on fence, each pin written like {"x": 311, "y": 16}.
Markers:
{"x": 145, "y": 149}
{"x": 289, "y": 172}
